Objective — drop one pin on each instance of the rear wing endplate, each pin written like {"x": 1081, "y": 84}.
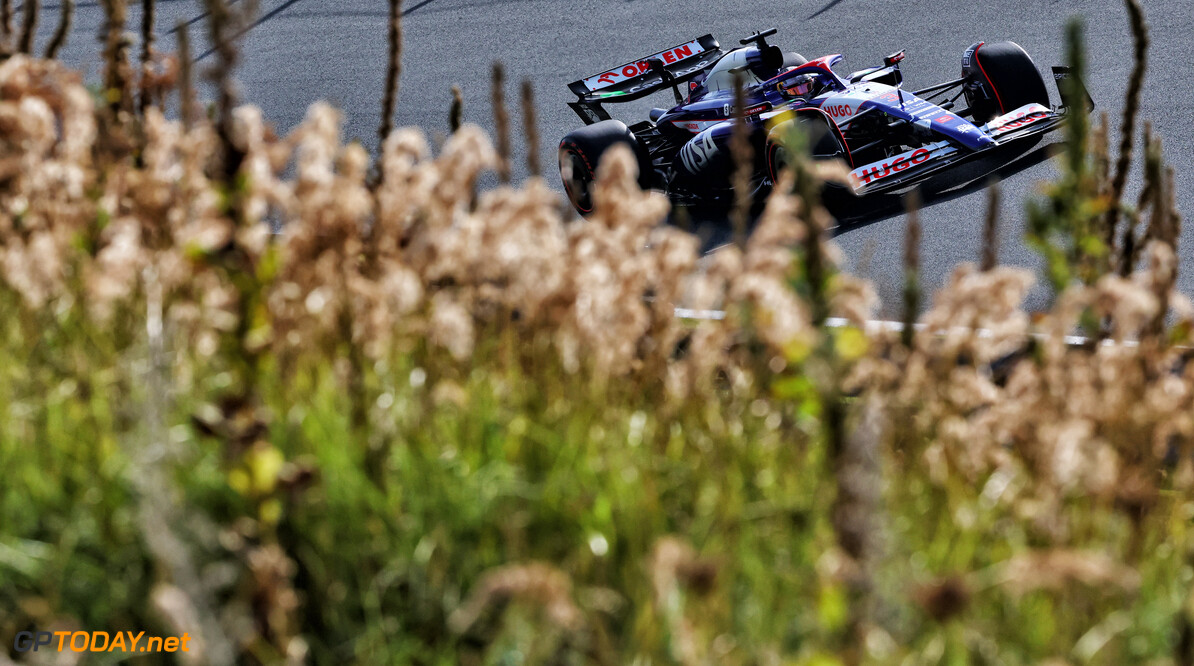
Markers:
{"x": 635, "y": 80}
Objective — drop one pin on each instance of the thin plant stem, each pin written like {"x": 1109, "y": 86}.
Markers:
{"x": 990, "y": 256}
{"x": 530, "y": 127}
{"x": 186, "y": 76}
{"x": 911, "y": 267}
{"x": 501, "y": 121}
{"x": 66, "y": 13}
{"x": 456, "y": 110}
{"x": 740, "y": 150}
{"x": 29, "y": 11}
{"x": 389, "y": 99}
{"x": 147, "y": 42}
{"x": 1140, "y": 42}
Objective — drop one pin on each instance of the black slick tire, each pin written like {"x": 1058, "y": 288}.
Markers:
{"x": 823, "y": 141}
{"x": 1001, "y": 77}
{"x": 581, "y": 151}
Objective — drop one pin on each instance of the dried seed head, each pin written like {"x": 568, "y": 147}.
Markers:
{"x": 537, "y": 584}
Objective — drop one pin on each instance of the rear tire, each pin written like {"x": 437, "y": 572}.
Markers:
{"x": 1001, "y": 77}
{"x": 581, "y": 151}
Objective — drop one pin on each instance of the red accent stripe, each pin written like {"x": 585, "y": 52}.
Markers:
{"x": 681, "y": 123}
{"x": 1002, "y": 109}
{"x": 568, "y": 146}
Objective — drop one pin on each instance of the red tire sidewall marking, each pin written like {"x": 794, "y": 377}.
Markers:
{"x": 570, "y": 147}
{"x": 998, "y": 99}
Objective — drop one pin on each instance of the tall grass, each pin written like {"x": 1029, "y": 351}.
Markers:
{"x": 426, "y": 425}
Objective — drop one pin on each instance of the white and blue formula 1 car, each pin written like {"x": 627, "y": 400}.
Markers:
{"x": 890, "y": 138}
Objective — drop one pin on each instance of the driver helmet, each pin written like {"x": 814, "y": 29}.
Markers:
{"x": 799, "y": 86}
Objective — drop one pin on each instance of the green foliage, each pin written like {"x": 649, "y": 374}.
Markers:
{"x": 512, "y": 459}
{"x": 807, "y": 495}
{"x": 1066, "y": 226}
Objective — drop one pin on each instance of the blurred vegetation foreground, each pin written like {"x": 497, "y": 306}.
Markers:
{"x": 427, "y": 426}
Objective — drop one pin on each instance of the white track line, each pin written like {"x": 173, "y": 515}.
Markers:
{"x": 879, "y": 325}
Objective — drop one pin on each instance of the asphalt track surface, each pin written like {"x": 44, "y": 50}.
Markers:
{"x": 301, "y": 51}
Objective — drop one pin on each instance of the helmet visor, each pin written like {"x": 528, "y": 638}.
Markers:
{"x": 800, "y": 86}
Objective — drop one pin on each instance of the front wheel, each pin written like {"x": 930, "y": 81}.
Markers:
{"x": 1000, "y": 77}
{"x": 822, "y": 140}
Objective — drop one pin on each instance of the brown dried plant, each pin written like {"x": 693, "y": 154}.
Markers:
{"x": 456, "y": 110}
{"x": 117, "y": 75}
{"x": 186, "y": 77}
{"x": 1140, "y": 44}
{"x": 6, "y": 31}
{"x": 501, "y": 120}
{"x": 29, "y": 12}
{"x": 990, "y": 252}
{"x": 741, "y": 152}
{"x": 530, "y": 127}
{"x": 65, "y": 14}
{"x": 393, "y": 70}
{"x": 383, "y": 262}
{"x": 147, "y": 53}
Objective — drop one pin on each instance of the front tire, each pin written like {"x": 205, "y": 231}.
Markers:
{"x": 581, "y": 151}
{"x": 822, "y": 141}
{"x": 1000, "y": 77}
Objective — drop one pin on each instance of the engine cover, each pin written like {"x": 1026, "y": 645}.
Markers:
{"x": 705, "y": 161}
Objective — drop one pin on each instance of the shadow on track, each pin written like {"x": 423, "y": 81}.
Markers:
{"x": 711, "y": 226}
{"x": 853, "y": 213}
{"x": 831, "y": 5}
{"x": 406, "y": 12}
{"x": 278, "y": 10}
{"x": 267, "y": 16}
{"x": 190, "y": 22}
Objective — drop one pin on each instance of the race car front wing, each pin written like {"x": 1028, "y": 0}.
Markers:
{"x": 920, "y": 164}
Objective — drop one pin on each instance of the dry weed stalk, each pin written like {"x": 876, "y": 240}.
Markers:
{"x": 186, "y": 77}
{"x": 1099, "y": 149}
{"x": 911, "y": 267}
{"x": 537, "y": 583}
{"x": 65, "y": 15}
{"x": 6, "y": 31}
{"x": 147, "y": 50}
{"x": 389, "y": 99}
{"x": 990, "y": 253}
{"x": 530, "y": 125}
{"x": 1153, "y": 167}
{"x": 223, "y": 27}
{"x": 501, "y": 120}
{"x": 743, "y": 166}
{"x": 29, "y": 11}
{"x": 116, "y": 64}
{"x": 456, "y": 110}
{"x": 1140, "y": 43}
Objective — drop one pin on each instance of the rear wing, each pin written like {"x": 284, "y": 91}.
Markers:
{"x": 636, "y": 79}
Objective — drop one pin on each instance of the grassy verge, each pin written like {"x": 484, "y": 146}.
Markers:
{"x": 432, "y": 426}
